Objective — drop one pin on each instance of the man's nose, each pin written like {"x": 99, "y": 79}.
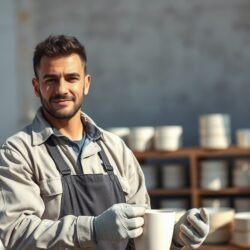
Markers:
{"x": 62, "y": 86}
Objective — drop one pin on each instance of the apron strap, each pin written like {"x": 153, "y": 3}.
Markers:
{"x": 106, "y": 164}
{"x": 61, "y": 164}
{"x": 56, "y": 156}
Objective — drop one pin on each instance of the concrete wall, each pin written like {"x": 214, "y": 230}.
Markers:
{"x": 158, "y": 62}
{"x": 8, "y": 93}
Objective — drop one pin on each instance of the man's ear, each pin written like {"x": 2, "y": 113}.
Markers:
{"x": 36, "y": 87}
{"x": 87, "y": 82}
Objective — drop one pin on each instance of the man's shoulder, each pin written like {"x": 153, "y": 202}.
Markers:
{"x": 113, "y": 140}
{"x": 19, "y": 138}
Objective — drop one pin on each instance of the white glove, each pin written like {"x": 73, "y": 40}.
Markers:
{"x": 119, "y": 222}
{"x": 191, "y": 229}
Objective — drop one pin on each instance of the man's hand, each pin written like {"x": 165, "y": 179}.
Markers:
{"x": 119, "y": 222}
{"x": 192, "y": 229}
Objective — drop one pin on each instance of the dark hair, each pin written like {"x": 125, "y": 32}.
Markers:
{"x": 58, "y": 45}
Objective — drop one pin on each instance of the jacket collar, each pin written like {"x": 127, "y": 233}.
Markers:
{"x": 42, "y": 130}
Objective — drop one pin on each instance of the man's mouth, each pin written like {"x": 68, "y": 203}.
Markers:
{"x": 61, "y": 99}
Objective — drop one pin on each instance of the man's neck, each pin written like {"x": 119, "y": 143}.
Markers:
{"x": 72, "y": 128}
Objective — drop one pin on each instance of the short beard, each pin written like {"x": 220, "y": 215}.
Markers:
{"x": 59, "y": 116}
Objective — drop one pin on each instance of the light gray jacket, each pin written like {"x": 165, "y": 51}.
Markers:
{"x": 31, "y": 188}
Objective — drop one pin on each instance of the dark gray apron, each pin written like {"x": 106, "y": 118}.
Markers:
{"x": 89, "y": 194}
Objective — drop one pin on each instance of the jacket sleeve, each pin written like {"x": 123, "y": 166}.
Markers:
{"x": 138, "y": 192}
{"x": 21, "y": 210}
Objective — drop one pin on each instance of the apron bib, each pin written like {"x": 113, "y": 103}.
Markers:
{"x": 89, "y": 194}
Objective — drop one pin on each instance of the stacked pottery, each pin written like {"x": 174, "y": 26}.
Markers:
{"x": 174, "y": 203}
{"x": 215, "y": 202}
{"x": 168, "y": 138}
{"x": 221, "y": 225}
{"x": 242, "y": 204}
{"x": 173, "y": 176}
{"x": 215, "y": 131}
{"x": 140, "y": 138}
{"x": 243, "y": 138}
{"x": 241, "y": 233}
{"x": 241, "y": 173}
{"x": 214, "y": 174}
{"x": 150, "y": 175}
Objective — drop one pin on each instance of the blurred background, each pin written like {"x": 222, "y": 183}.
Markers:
{"x": 152, "y": 62}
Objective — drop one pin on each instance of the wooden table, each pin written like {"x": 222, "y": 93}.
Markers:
{"x": 223, "y": 247}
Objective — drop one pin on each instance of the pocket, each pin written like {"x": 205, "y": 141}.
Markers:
{"x": 51, "y": 187}
{"x": 51, "y": 193}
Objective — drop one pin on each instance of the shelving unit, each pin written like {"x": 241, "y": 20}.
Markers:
{"x": 194, "y": 156}
{"x": 193, "y": 192}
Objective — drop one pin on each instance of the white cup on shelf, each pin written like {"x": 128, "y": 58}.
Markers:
{"x": 243, "y": 138}
{"x": 214, "y": 174}
{"x": 168, "y": 138}
{"x": 242, "y": 204}
{"x": 241, "y": 173}
{"x": 215, "y": 131}
{"x": 221, "y": 225}
{"x": 140, "y": 138}
{"x": 215, "y": 202}
{"x": 173, "y": 176}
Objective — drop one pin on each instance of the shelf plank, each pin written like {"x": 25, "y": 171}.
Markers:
{"x": 187, "y": 191}
{"x": 198, "y": 152}
{"x": 169, "y": 192}
{"x": 224, "y": 191}
{"x": 195, "y": 155}
{"x": 222, "y": 247}
{"x": 231, "y": 151}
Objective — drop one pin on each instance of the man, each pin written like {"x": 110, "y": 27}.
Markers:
{"x": 66, "y": 183}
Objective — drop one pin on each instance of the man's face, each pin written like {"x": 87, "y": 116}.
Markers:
{"x": 61, "y": 85}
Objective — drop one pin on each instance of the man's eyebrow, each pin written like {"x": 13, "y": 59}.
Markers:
{"x": 50, "y": 76}
{"x": 73, "y": 74}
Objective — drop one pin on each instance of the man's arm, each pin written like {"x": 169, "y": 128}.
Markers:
{"x": 137, "y": 188}
{"x": 21, "y": 210}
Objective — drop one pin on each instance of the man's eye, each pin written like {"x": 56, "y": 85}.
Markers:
{"x": 73, "y": 79}
{"x": 50, "y": 81}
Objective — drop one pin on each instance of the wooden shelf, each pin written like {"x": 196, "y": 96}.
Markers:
{"x": 169, "y": 192}
{"x": 225, "y": 191}
{"x": 195, "y": 151}
{"x": 222, "y": 247}
{"x": 194, "y": 155}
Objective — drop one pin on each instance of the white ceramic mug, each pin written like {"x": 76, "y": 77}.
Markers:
{"x": 157, "y": 230}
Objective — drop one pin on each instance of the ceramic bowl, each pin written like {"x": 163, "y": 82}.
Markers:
{"x": 221, "y": 225}
{"x": 208, "y": 120}
{"x": 140, "y": 138}
{"x": 241, "y": 173}
{"x": 242, "y": 204}
{"x": 215, "y": 142}
{"x": 242, "y": 222}
{"x": 243, "y": 138}
{"x": 241, "y": 239}
{"x": 214, "y": 183}
{"x": 213, "y": 166}
{"x": 173, "y": 176}
{"x": 215, "y": 203}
